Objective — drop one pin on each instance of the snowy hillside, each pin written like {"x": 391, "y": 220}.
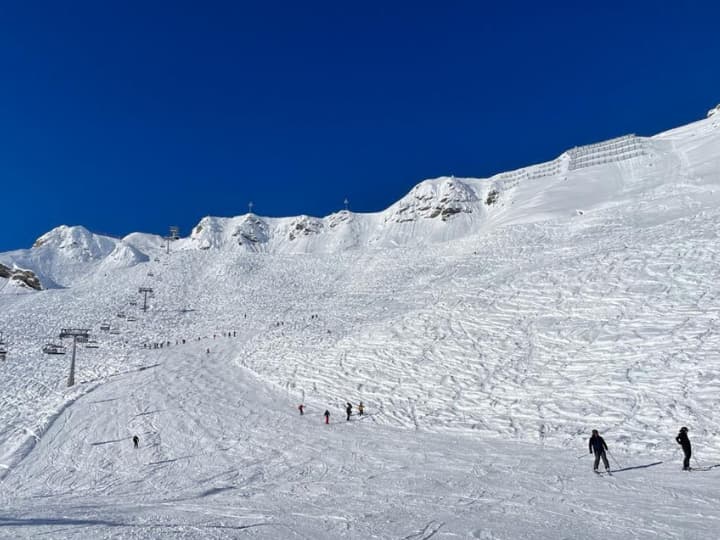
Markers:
{"x": 487, "y": 325}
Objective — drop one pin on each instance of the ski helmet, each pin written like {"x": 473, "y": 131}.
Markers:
{"x": 683, "y": 428}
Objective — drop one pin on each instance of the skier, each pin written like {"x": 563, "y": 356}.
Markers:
{"x": 361, "y": 409}
{"x": 682, "y": 440}
{"x": 136, "y": 441}
{"x": 348, "y": 410}
{"x": 326, "y": 414}
{"x": 597, "y": 445}
{"x": 301, "y": 408}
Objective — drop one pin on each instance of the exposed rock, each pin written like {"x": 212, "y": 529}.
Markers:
{"x": 25, "y": 277}
{"x": 432, "y": 199}
{"x": 339, "y": 218}
{"x": 207, "y": 233}
{"x": 252, "y": 230}
{"x": 492, "y": 197}
{"x": 304, "y": 226}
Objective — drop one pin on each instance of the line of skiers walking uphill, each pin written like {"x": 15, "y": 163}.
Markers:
{"x": 598, "y": 447}
{"x": 348, "y": 411}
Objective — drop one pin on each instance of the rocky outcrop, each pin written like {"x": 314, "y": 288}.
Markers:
{"x": 26, "y": 278}
{"x": 251, "y": 231}
{"x": 207, "y": 233}
{"x": 431, "y": 199}
{"x": 304, "y": 226}
{"x": 339, "y": 218}
{"x": 714, "y": 112}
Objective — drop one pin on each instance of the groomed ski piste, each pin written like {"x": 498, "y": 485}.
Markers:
{"x": 488, "y": 325}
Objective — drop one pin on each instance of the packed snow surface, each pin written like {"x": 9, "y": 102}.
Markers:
{"x": 487, "y": 326}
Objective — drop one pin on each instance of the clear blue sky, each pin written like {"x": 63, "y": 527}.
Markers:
{"x": 130, "y": 116}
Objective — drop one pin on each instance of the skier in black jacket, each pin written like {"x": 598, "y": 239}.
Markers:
{"x": 597, "y": 445}
{"x": 682, "y": 440}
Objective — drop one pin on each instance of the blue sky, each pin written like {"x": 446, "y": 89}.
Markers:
{"x": 132, "y": 116}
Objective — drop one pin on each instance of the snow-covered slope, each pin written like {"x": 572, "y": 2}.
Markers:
{"x": 487, "y": 325}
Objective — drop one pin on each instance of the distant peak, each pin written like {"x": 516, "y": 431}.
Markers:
{"x": 76, "y": 242}
{"x": 63, "y": 236}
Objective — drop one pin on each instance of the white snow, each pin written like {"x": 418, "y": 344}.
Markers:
{"x": 485, "y": 341}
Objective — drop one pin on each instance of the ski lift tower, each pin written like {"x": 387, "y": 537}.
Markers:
{"x": 78, "y": 335}
{"x": 145, "y": 291}
{"x": 250, "y": 207}
{"x": 347, "y": 204}
{"x": 174, "y": 235}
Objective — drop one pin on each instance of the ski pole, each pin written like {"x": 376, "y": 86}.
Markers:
{"x": 615, "y": 460}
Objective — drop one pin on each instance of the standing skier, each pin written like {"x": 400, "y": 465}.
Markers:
{"x": 136, "y": 441}
{"x": 361, "y": 409}
{"x": 348, "y": 410}
{"x": 597, "y": 445}
{"x": 682, "y": 440}
{"x": 301, "y": 408}
{"x": 326, "y": 414}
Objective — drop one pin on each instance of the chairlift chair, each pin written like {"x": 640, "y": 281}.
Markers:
{"x": 92, "y": 344}
{"x": 132, "y": 319}
{"x": 105, "y": 327}
{"x": 114, "y": 331}
{"x": 3, "y": 355}
{"x": 53, "y": 348}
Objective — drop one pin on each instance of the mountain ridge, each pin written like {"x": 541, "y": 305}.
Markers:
{"x": 435, "y": 210}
